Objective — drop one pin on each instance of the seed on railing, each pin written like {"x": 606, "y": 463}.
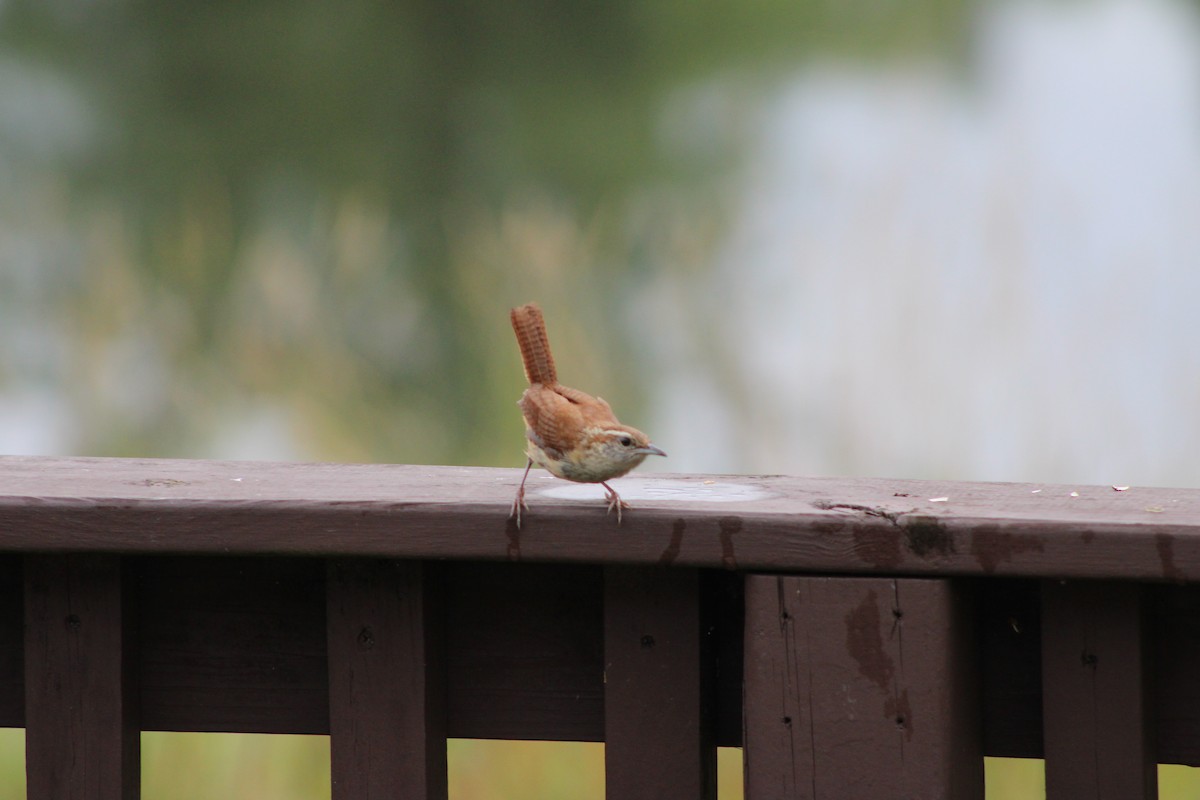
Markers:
{"x": 647, "y": 641}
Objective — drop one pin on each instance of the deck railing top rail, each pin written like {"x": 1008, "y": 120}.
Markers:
{"x": 773, "y": 523}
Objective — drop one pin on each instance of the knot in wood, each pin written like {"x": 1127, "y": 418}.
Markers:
{"x": 366, "y": 639}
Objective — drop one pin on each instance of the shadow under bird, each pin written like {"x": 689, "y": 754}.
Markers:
{"x": 569, "y": 433}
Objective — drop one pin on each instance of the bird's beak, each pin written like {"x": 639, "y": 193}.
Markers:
{"x": 651, "y": 450}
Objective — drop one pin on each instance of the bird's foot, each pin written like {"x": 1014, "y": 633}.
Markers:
{"x": 518, "y": 504}
{"x": 614, "y": 501}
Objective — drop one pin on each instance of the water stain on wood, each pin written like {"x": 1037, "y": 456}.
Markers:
{"x": 672, "y": 552}
{"x": 729, "y": 526}
{"x": 864, "y": 642}
{"x": 992, "y": 548}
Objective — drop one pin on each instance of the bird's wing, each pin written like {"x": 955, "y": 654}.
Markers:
{"x": 596, "y": 411}
{"x": 557, "y": 422}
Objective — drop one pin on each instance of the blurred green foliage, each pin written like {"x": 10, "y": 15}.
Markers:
{"x": 318, "y": 214}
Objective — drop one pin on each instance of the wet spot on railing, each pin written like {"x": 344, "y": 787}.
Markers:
{"x": 1166, "y": 554}
{"x": 729, "y": 527}
{"x": 864, "y": 643}
{"x": 927, "y": 536}
{"x": 513, "y": 552}
{"x": 672, "y": 552}
{"x": 992, "y": 548}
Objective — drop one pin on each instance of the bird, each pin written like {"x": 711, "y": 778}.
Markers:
{"x": 569, "y": 433}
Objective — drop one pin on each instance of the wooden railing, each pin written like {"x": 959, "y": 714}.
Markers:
{"x": 859, "y": 639}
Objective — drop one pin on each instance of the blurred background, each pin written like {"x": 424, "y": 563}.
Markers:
{"x": 930, "y": 238}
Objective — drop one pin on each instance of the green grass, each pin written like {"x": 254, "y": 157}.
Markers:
{"x": 197, "y": 766}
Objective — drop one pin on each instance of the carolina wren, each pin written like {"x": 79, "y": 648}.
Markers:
{"x": 569, "y": 433}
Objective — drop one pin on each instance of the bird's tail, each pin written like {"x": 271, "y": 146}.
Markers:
{"x": 530, "y": 328}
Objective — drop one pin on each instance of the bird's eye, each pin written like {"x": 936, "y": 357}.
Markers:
{"x": 626, "y": 441}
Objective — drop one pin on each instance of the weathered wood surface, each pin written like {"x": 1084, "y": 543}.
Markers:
{"x": 387, "y": 694}
{"x": 82, "y": 738}
{"x": 1099, "y": 737}
{"x": 766, "y": 523}
{"x": 239, "y": 644}
{"x": 658, "y": 686}
{"x": 861, "y": 688}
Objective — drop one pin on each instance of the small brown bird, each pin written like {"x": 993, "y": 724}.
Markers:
{"x": 570, "y": 434}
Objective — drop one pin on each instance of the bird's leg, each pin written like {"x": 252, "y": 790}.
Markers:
{"x": 520, "y": 503}
{"x": 614, "y": 501}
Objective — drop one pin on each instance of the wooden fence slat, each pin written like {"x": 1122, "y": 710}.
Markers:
{"x": 386, "y": 695}
{"x": 82, "y": 740}
{"x": 860, "y": 688}
{"x": 1097, "y": 735}
{"x": 659, "y": 739}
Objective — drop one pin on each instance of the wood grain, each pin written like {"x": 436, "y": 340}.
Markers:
{"x": 860, "y": 688}
{"x": 232, "y": 644}
{"x": 238, "y": 644}
{"x": 387, "y": 697}
{"x": 1099, "y": 737}
{"x": 82, "y": 738}
{"x": 658, "y": 706}
{"x": 795, "y": 524}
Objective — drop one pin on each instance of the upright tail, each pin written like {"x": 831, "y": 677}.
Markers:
{"x": 530, "y": 328}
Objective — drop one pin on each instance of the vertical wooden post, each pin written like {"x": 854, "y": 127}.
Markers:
{"x": 659, "y": 741}
{"x": 81, "y": 725}
{"x": 386, "y": 694}
{"x": 1097, "y": 733}
{"x": 860, "y": 688}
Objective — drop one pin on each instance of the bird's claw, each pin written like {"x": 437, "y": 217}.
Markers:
{"x": 614, "y": 501}
{"x": 518, "y": 504}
